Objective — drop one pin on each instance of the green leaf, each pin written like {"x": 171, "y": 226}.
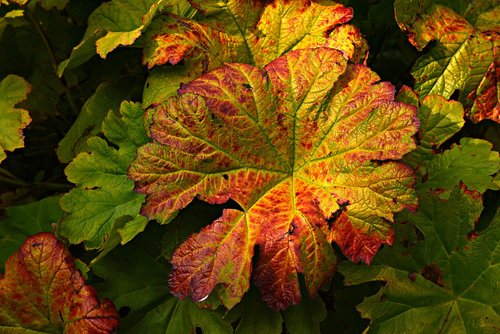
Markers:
{"x": 293, "y": 145}
{"x": 464, "y": 60}
{"x": 439, "y": 120}
{"x": 305, "y": 317}
{"x": 43, "y": 292}
{"x": 13, "y": 90}
{"x": 25, "y": 220}
{"x": 151, "y": 308}
{"x": 254, "y": 316}
{"x": 103, "y": 206}
{"x": 471, "y": 162}
{"x": 107, "y": 96}
{"x": 455, "y": 292}
{"x": 114, "y": 23}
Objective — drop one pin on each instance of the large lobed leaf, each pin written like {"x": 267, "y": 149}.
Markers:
{"x": 13, "y": 90}
{"x": 42, "y": 292}
{"x": 446, "y": 283}
{"x": 466, "y": 57}
{"x": 244, "y": 31}
{"x": 102, "y": 209}
{"x": 251, "y": 32}
{"x": 299, "y": 147}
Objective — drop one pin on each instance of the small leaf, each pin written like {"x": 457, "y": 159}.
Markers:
{"x": 439, "y": 120}
{"x": 13, "y": 90}
{"x": 290, "y": 145}
{"x": 472, "y": 162}
{"x": 112, "y": 24}
{"x": 43, "y": 292}
{"x": 103, "y": 206}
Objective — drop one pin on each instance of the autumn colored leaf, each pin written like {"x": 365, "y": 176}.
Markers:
{"x": 465, "y": 59}
{"x": 113, "y": 24}
{"x": 43, "y": 292}
{"x": 253, "y": 32}
{"x": 13, "y": 90}
{"x": 103, "y": 211}
{"x": 299, "y": 146}
{"x": 445, "y": 283}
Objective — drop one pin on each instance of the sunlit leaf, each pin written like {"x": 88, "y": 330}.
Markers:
{"x": 298, "y": 146}
{"x": 251, "y": 32}
{"x": 102, "y": 207}
{"x": 464, "y": 61}
{"x": 13, "y": 90}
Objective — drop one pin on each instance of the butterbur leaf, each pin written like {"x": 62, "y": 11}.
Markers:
{"x": 43, "y": 292}
{"x": 253, "y": 32}
{"x": 13, "y": 90}
{"x": 454, "y": 287}
{"x": 102, "y": 207}
{"x": 449, "y": 67}
{"x": 472, "y": 162}
{"x": 297, "y": 149}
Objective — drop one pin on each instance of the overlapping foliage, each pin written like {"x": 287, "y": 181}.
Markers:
{"x": 239, "y": 152}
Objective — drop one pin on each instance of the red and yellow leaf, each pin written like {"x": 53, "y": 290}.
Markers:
{"x": 42, "y": 291}
{"x": 253, "y": 32}
{"x": 294, "y": 144}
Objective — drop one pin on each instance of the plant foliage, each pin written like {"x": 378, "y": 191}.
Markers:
{"x": 302, "y": 166}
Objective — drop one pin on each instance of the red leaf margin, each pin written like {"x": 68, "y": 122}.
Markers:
{"x": 42, "y": 290}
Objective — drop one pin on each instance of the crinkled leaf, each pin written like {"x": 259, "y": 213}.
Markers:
{"x": 460, "y": 297}
{"x": 42, "y": 292}
{"x": 251, "y": 32}
{"x": 13, "y": 90}
{"x": 25, "y": 220}
{"x": 103, "y": 206}
{"x": 472, "y": 162}
{"x": 294, "y": 146}
{"x": 439, "y": 120}
{"x": 464, "y": 60}
{"x": 151, "y": 308}
{"x": 108, "y": 96}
